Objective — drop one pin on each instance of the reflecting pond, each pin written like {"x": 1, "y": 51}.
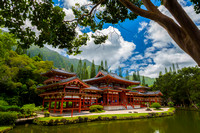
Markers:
{"x": 181, "y": 122}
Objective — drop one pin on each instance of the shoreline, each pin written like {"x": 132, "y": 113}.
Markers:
{"x": 53, "y": 121}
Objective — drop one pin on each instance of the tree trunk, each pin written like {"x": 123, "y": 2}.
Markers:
{"x": 186, "y": 34}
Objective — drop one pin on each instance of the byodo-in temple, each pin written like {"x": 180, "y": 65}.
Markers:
{"x": 64, "y": 91}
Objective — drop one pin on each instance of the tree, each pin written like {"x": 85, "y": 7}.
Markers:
{"x": 166, "y": 70}
{"x": 127, "y": 75}
{"x": 143, "y": 80}
{"x": 134, "y": 76}
{"x": 93, "y": 72}
{"x": 160, "y": 73}
{"x": 120, "y": 71}
{"x": 79, "y": 69}
{"x": 84, "y": 71}
{"x": 72, "y": 68}
{"x": 56, "y": 31}
{"x": 99, "y": 68}
{"x": 170, "y": 69}
{"x": 106, "y": 66}
{"x": 173, "y": 66}
{"x": 86, "y": 74}
{"x": 138, "y": 75}
{"x": 40, "y": 56}
{"x": 102, "y": 68}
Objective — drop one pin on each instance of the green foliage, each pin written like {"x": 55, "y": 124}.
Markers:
{"x": 170, "y": 104}
{"x": 156, "y": 105}
{"x": 181, "y": 87}
{"x": 93, "y": 72}
{"x": 96, "y": 108}
{"x": 4, "y": 103}
{"x": 196, "y": 5}
{"x": 30, "y": 108}
{"x": 120, "y": 71}
{"x": 4, "y": 108}
{"x": 8, "y": 118}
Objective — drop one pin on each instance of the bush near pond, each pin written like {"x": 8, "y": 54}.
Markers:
{"x": 8, "y": 118}
{"x": 5, "y": 108}
{"x": 156, "y": 105}
{"x": 170, "y": 104}
{"x": 96, "y": 108}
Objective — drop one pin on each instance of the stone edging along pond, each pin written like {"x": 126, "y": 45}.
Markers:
{"x": 52, "y": 121}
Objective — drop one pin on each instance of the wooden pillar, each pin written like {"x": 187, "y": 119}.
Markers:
{"x": 43, "y": 104}
{"x": 55, "y": 105}
{"x": 61, "y": 108}
{"x": 90, "y": 101}
{"x": 112, "y": 99}
{"x": 80, "y": 104}
{"x": 83, "y": 102}
{"x": 49, "y": 104}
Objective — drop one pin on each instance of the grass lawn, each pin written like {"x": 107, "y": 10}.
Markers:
{"x": 47, "y": 119}
{"x": 5, "y": 128}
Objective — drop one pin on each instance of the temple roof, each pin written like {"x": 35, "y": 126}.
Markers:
{"x": 61, "y": 82}
{"x": 93, "y": 88}
{"x": 59, "y": 72}
{"x": 141, "y": 87}
{"x": 112, "y": 75}
{"x": 150, "y": 92}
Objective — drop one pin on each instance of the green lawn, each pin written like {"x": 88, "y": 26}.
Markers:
{"x": 135, "y": 115}
{"x": 5, "y": 128}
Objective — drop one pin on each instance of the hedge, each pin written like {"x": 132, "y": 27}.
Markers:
{"x": 9, "y": 108}
{"x": 7, "y": 118}
{"x": 96, "y": 108}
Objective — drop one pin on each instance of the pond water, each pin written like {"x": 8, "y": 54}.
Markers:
{"x": 181, "y": 122}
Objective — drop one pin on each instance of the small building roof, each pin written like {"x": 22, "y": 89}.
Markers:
{"x": 59, "y": 72}
{"x": 141, "y": 87}
{"x": 93, "y": 88}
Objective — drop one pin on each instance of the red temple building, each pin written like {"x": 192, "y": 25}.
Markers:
{"x": 64, "y": 91}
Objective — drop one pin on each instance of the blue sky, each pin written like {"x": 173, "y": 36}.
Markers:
{"x": 140, "y": 45}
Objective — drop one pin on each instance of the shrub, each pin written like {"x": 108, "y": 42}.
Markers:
{"x": 156, "y": 105}
{"x": 46, "y": 114}
{"x": 96, "y": 108}
{"x": 8, "y": 118}
{"x": 9, "y": 108}
{"x": 170, "y": 104}
{"x": 4, "y": 103}
{"x": 30, "y": 108}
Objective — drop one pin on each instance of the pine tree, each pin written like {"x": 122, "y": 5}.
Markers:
{"x": 106, "y": 66}
{"x": 41, "y": 57}
{"x": 102, "y": 68}
{"x": 166, "y": 70}
{"x": 143, "y": 80}
{"x": 177, "y": 66}
{"x": 19, "y": 50}
{"x": 134, "y": 76}
{"x": 174, "y": 69}
{"x": 120, "y": 71}
{"x": 160, "y": 74}
{"x": 170, "y": 69}
{"x": 93, "y": 72}
{"x": 79, "y": 69}
{"x": 127, "y": 75}
{"x": 99, "y": 68}
{"x": 138, "y": 76}
{"x": 84, "y": 71}
{"x": 29, "y": 54}
{"x": 86, "y": 74}
{"x": 72, "y": 68}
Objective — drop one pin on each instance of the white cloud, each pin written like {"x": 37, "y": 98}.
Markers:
{"x": 164, "y": 51}
{"x": 70, "y": 3}
{"x": 143, "y": 25}
{"x": 115, "y": 50}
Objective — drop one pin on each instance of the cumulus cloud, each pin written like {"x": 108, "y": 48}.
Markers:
{"x": 115, "y": 50}
{"x": 143, "y": 25}
{"x": 164, "y": 51}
